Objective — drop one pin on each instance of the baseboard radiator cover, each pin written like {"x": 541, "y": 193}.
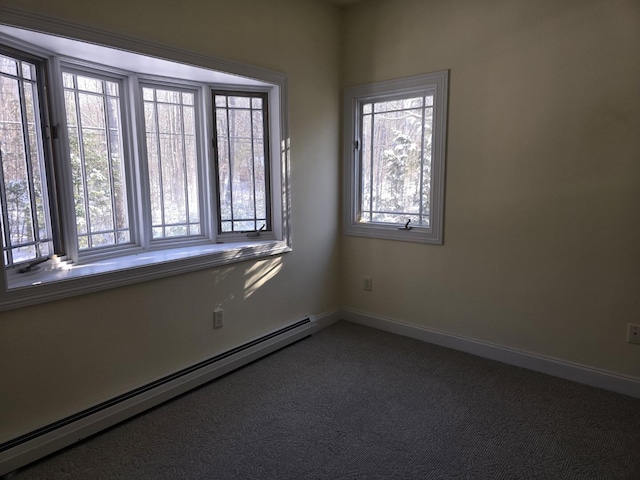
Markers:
{"x": 34, "y": 445}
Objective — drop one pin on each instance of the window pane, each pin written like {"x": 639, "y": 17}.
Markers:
{"x": 366, "y": 171}
{"x": 89, "y": 84}
{"x": 188, "y": 98}
{"x": 112, "y": 89}
{"x": 147, "y": 94}
{"x": 242, "y": 163}
{"x": 239, "y": 102}
{"x": 425, "y": 217}
{"x": 68, "y": 80}
{"x": 242, "y": 155}
{"x": 28, "y": 71}
{"x": 401, "y": 104}
{"x": 170, "y": 126}
{"x": 24, "y": 219}
{"x": 395, "y": 162}
{"x": 97, "y": 167}
{"x": 168, "y": 96}
{"x": 8, "y": 66}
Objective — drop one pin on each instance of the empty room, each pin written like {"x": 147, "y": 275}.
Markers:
{"x": 320, "y": 239}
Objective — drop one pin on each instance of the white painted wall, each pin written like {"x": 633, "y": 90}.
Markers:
{"x": 61, "y": 357}
{"x": 542, "y": 221}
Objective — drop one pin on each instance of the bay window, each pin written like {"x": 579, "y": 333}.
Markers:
{"x": 132, "y": 169}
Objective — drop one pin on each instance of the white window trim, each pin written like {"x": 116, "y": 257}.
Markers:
{"x": 69, "y": 227}
{"x": 203, "y": 167}
{"x": 58, "y": 279}
{"x": 354, "y": 97}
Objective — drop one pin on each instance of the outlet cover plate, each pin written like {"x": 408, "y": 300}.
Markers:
{"x": 218, "y": 318}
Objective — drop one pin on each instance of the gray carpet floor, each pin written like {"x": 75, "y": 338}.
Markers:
{"x": 356, "y": 403}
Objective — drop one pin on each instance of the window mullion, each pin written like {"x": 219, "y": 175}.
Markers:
{"x": 159, "y": 150}
{"x": 253, "y": 168}
{"x": 83, "y": 170}
{"x": 371, "y": 133}
{"x": 208, "y": 191}
{"x": 423, "y": 125}
{"x": 184, "y": 164}
{"x": 107, "y": 123}
{"x": 136, "y": 170}
{"x": 228, "y": 110}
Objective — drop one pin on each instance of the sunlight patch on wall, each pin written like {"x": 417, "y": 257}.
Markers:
{"x": 260, "y": 273}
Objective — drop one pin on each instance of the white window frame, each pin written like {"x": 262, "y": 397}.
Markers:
{"x": 77, "y": 273}
{"x": 435, "y": 84}
{"x": 74, "y": 254}
{"x": 203, "y": 172}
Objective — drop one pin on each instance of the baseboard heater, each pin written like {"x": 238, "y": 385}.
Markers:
{"x": 34, "y": 445}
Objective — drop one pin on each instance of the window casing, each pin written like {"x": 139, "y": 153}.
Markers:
{"x": 135, "y": 158}
{"x": 395, "y": 151}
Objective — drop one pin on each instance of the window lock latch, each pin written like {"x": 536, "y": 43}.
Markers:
{"x": 406, "y": 226}
{"x": 257, "y": 232}
{"x": 32, "y": 265}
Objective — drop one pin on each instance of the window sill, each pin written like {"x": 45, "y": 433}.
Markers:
{"x": 395, "y": 232}
{"x": 63, "y": 279}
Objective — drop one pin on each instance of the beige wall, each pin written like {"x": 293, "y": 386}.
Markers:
{"x": 60, "y": 357}
{"x": 542, "y": 214}
{"x": 542, "y": 230}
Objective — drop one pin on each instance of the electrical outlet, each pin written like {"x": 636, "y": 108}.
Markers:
{"x": 368, "y": 284}
{"x": 633, "y": 334}
{"x": 218, "y": 318}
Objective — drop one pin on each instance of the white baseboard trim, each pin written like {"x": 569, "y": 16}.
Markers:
{"x": 539, "y": 363}
{"x": 35, "y": 445}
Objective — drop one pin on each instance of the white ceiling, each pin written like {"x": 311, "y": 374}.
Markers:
{"x": 130, "y": 61}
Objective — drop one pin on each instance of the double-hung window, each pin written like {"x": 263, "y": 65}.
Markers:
{"x": 111, "y": 174}
{"x": 395, "y": 151}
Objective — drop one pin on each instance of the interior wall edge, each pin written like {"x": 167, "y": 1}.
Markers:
{"x": 326, "y": 319}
